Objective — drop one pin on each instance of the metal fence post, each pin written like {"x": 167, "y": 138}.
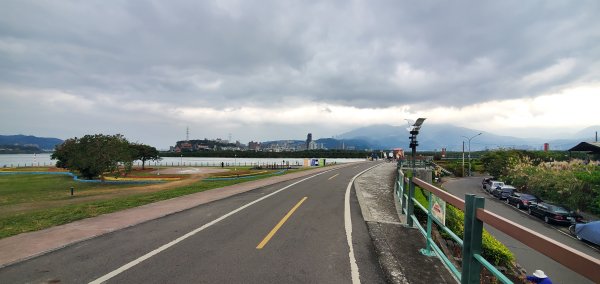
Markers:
{"x": 427, "y": 250}
{"x": 405, "y": 186}
{"x": 471, "y": 268}
{"x": 410, "y": 206}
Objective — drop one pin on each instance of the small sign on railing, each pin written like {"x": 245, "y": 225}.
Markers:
{"x": 438, "y": 209}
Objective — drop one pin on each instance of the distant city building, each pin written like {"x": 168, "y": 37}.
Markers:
{"x": 546, "y": 147}
{"x": 312, "y": 145}
{"x": 200, "y": 147}
{"x": 204, "y": 145}
{"x": 308, "y": 140}
{"x": 186, "y": 146}
{"x": 254, "y": 146}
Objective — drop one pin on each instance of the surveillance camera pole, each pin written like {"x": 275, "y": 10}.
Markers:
{"x": 414, "y": 131}
{"x": 413, "y": 146}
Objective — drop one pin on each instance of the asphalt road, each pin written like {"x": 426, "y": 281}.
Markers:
{"x": 217, "y": 242}
{"x": 528, "y": 258}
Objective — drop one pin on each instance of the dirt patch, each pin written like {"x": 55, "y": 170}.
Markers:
{"x": 189, "y": 171}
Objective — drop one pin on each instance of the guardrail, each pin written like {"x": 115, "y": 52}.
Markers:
{"x": 475, "y": 217}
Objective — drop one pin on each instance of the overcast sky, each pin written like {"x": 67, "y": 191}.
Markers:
{"x": 262, "y": 70}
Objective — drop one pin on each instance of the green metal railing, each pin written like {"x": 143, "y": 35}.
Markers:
{"x": 474, "y": 217}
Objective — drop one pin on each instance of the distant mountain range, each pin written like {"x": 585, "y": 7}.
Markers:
{"x": 41, "y": 143}
{"x": 382, "y": 136}
{"x": 438, "y": 136}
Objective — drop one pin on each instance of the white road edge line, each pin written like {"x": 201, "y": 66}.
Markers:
{"x": 348, "y": 226}
{"x": 195, "y": 231}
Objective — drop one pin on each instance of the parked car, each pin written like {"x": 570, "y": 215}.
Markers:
{"x": 522, "y": 200}
{"x": 503, "y": 192}
{"x": 588, "y": 231}
{"x": 551, "y": 213}
{"x": 485, "y": 181}
{"x": 493, "y": 184}
{"x": 574, "y": 214}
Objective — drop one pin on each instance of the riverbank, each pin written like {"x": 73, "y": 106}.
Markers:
{"x": 35, "y": 160}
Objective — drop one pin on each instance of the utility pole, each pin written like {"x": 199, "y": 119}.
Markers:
{"x": 463, "y": 160}
{"x": 469, "y": 150}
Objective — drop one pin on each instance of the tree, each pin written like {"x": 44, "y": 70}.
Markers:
{"x": 94, "y": 155}
{"x": 144, "y": 153}
{"x": 62, "y": 152}
{"x": 497, "y": 163}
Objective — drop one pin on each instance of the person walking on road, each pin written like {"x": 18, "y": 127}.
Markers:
{"x": 539, "y": 277}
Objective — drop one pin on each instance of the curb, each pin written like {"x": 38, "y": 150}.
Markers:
{"x": 388, "y": 263}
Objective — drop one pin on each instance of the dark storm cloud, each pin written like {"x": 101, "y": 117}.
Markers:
{"x": 366, "y": 54}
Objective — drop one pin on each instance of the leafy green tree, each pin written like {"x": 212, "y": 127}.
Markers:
{"x": 497, "y": 163}
{"x": 144, "y": 153}
{"x": 94, "y": 155}
{"x": 64, "y": 151}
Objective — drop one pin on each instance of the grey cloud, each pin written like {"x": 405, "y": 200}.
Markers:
{"x": 264, "y": 54}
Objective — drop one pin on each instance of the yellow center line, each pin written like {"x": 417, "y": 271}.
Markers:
{"x": 283, "y": 220}
{"x": 333, "y": 176}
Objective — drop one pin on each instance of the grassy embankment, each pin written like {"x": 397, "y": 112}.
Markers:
{"x": 35, "y": 202}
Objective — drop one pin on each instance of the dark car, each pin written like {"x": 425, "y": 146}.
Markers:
{"x": 578, "y": 218}
{"x": 551, "y": 213}
{"x": 503, "y": 192}
{"x": 522, "y": 200}
{"x": 485, "y": 182}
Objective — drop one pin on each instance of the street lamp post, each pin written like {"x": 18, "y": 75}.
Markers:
{"x": 463, "y": 159}
{"x": 469, "y": 142}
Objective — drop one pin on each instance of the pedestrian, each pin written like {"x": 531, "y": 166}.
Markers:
{"x": 539, "y": 277}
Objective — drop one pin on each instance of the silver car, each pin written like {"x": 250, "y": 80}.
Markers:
{"x": 494, "y": 184}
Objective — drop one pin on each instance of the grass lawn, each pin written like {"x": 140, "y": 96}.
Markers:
{"x": 16, "y": 190}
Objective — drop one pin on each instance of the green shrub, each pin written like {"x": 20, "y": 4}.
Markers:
{"x": 492, "y": 250}
{"x": 495, "y": 252}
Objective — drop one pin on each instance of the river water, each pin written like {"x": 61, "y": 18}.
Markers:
{"x": 28, "y": 160}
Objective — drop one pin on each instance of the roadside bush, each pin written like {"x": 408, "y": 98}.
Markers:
{"x": 495, "y": 252}
{"x": 492, "y": 250}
